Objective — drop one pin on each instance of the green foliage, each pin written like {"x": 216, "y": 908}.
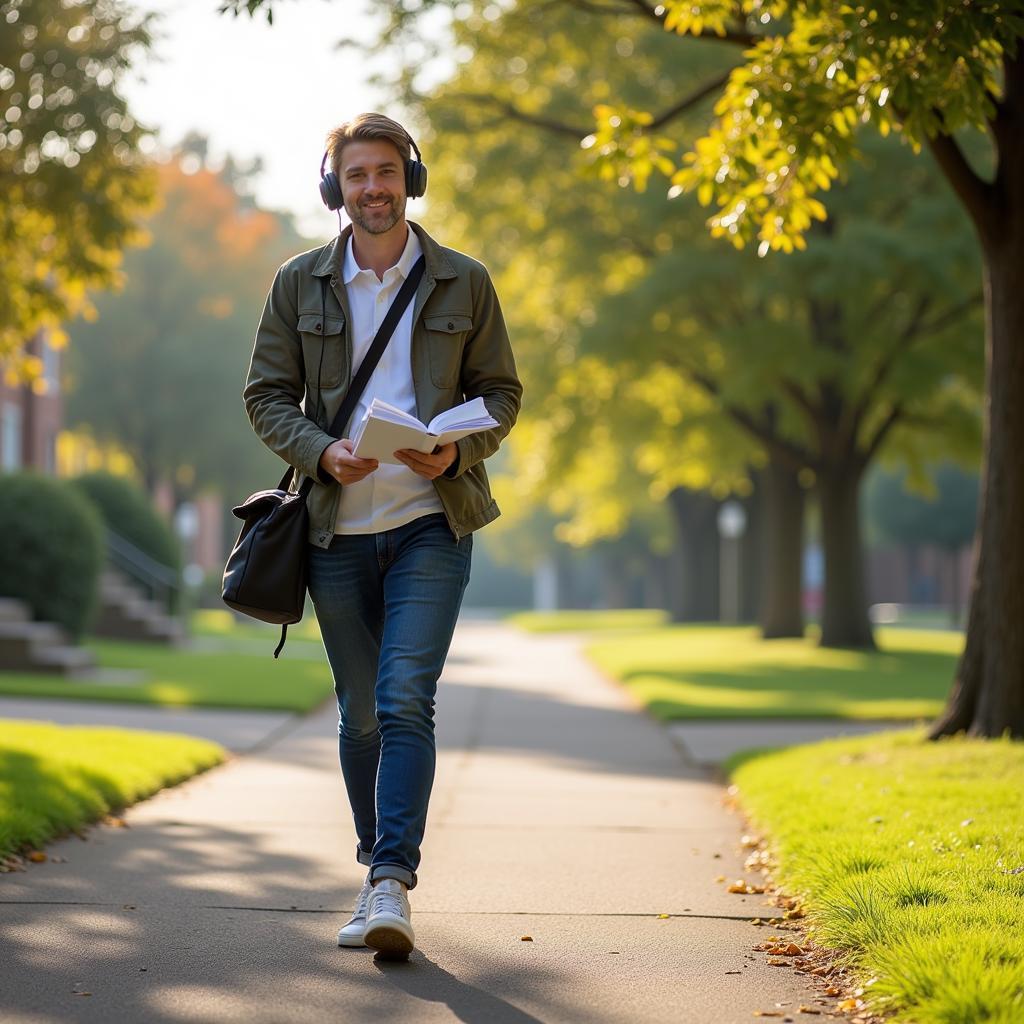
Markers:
{"x": 53, "y": 549}
{"x": 813, "y": 73}
{"x": 160, "y": 373}
{"x": 944, "y": 516}
{"x": 74, "y": 182}
{"x": 127, "y": 511}
{"x": 54, "y": 779}
{"x": 907, "y": 857}
{"x": 662, "y": 359}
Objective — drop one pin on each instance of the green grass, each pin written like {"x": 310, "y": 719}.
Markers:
{"x": 589, "y": 621}
{"x": 909, "y": 856}
{"x": 221, "y": 623}
{"x": 54, "y": 779}
{"x": 192, "y": 678}
{"x": 729, "y": 672}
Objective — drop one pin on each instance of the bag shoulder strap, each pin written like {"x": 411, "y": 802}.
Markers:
{"x": 372, "y": 357}
{"x": 376, "y": 350}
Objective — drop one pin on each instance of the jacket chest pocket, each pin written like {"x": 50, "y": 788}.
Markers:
{"x": 446, "y": 337}
{"x": 323, "y": 348}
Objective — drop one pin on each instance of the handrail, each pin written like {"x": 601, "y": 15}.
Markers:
{"x": 134, "y": 562}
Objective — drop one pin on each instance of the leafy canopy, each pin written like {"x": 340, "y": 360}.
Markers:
{"x": 72, "y": 178}
{"x": 812, "y": 73}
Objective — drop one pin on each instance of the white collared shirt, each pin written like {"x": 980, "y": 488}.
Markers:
{"x": 390, "y": 496}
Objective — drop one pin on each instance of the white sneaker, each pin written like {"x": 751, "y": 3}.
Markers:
{"x": 351, "y": 934}
{"x": 388, "y": 925}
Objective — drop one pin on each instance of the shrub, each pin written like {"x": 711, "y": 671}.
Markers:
{"x": 52, "y": 551}
{"x": 127, "y": 510}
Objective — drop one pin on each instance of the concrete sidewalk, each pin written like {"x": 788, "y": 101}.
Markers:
{"x": 559, "y": 812}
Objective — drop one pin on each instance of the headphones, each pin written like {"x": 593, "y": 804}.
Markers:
{"x": 415, "y": 180}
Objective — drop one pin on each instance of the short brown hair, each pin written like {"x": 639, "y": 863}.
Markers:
{"x": 366, "y": 127}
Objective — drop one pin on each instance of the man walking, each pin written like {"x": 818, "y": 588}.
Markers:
{"x": 390, "y": 544}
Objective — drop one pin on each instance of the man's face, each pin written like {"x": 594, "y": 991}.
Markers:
{"x": 372, "y": 179}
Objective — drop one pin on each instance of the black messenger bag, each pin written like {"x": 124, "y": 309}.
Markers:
{"x": 266, "y": 572}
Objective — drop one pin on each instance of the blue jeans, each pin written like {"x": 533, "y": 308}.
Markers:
{"x": 387, "y": 605}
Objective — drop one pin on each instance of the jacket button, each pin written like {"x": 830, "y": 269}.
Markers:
{"x": 318, "y": 326}
{"x": 451, "y": 326}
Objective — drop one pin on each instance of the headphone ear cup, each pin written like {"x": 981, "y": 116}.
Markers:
{"x": 415, "y": 179}
{"x": 330, "y": 191}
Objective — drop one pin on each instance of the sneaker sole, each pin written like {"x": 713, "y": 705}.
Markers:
{"x": 389, "y": 940}
{"x": 351, "y": 941}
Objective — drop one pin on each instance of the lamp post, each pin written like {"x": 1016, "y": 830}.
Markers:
{"x": 732, "y": 521}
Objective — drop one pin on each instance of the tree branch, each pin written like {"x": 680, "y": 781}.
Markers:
{"x": 511, "y": 110}
{"x": 738, "y": 36}
{"x": 895, "y": 413}
{"x": 915, "y": 329}
{"x": 689, "y": 101}
{"x": 950, "y": 316}
{"x": 976, "y": 194}
{"x": 795, "y": 457}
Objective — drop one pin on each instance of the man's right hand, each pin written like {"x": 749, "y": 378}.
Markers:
{"x": 337, "y": 460}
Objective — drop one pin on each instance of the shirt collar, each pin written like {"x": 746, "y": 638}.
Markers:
{"x": 410, "y": 254}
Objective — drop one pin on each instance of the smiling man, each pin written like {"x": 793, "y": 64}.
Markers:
{"x": 390, "y": 544}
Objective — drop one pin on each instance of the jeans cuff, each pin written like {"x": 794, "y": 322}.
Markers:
{"x": 393, "y": 871}
{"x": 362, "y": 856}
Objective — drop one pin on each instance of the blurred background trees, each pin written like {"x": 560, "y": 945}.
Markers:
{"x": 73, "y": 179}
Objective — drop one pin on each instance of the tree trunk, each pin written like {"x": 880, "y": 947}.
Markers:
{"x": 782, "y": 539}
{"x": 752, "y": 551}
{"x": 953, "y": 557}
{"x": 695, "y": 557}
{"x": 987, "y": 698}
{"x": 844, "y": 621}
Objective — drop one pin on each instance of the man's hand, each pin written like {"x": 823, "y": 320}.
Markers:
{"x": 430, "y": 465}
{"x": 338, "y": 460}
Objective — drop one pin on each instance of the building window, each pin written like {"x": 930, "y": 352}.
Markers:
{"x": 51, "y": 367}
{"x": 10, "y": 436}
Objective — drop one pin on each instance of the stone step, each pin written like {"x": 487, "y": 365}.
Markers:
{"x": 13, "y": 610}
{"x": 127, "y": 614}
{"x": 24, "y": 637}
{"x": 65, "y": 661}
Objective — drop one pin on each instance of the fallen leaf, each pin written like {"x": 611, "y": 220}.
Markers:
{"x": 526, "y": 938}
{"x": 739, "y": 886}
{"x": 850, "y": 1004}
{"x": 37, "y": 856}
{"x": 807, "y": 1009}
{"x": 833, "y": 990}
{"x": 719, "y": 878}
{"x": 749, "y": 841}
{"x": 664, "y": 917}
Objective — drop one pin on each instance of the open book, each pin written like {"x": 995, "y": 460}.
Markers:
{"x": 385, "y": 429}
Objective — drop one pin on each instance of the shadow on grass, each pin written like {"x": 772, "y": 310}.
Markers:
{"x": 877, "y": 685}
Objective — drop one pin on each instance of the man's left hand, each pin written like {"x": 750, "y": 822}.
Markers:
{"x": 428, "y": 465}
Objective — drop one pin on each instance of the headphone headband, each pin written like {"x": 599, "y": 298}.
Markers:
{"x": 415, "y": 179}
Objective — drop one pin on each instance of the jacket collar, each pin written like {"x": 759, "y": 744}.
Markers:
{"x": 329, "y": 264}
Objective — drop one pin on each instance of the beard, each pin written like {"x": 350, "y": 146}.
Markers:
{"x": 380, "y": 221}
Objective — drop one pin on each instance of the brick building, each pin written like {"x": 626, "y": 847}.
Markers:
{"x": 31, "y": 416}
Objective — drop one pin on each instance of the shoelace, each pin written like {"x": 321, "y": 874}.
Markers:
{"x": 388, "y": 903}
{"x": 363, "y": 900}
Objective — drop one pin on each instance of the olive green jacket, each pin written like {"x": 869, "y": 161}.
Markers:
{"x": 460, "y": 350}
